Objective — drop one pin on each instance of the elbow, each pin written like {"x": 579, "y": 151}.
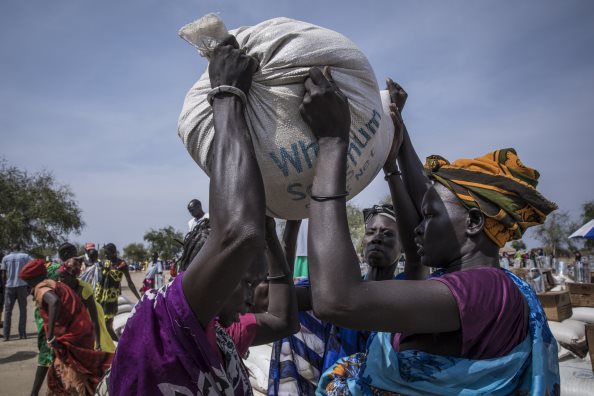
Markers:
{"x": 333, "y": 309}
{"x": 249, "y": 239}
{"x": 288, "y": 327}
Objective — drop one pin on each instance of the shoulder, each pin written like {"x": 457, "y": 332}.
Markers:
{"x": 122, "y": 265}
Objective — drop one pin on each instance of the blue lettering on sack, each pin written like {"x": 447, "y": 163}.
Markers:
{"x": 358, "y": 141}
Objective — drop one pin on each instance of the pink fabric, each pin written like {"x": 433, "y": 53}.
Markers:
{"x": 242, "y": 333}
{"x": 492, "y": 312}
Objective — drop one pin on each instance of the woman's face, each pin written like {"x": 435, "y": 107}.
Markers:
{"x": 381, "y": 243}
{"x": 242, "y": 298}
{"x": 442, "y": 233}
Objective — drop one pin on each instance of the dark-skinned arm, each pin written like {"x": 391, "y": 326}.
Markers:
{"x": 290, "y": 245}
{"x": 131, "y": 285}
{"x": 339, "y": 295}
{"x": 53, "y": 310}
{"x": 92, "y": 308}
{"x": 236, "y": 194}
{"x": 281, "y": 318}
{"x": 406, "y": 213}
{"x": 413, "y": 173}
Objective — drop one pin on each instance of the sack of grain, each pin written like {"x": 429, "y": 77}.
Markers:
{"x": 286, "y": 150}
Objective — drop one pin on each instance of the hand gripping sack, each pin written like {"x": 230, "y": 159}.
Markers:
{"x": 285, "y": 147}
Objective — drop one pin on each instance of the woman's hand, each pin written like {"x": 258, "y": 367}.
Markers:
{"x": 231, "y": 66}
{"x": 325, "y": 108}
{"x": 398, "y": 98}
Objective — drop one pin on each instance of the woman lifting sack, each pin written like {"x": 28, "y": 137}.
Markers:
{"x": 472, "y": 327}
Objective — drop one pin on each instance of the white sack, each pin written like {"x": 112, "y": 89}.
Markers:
{"x": 569, "y": 331}
{"x": 583, "y": 314}
{"x": 285, "y": 148}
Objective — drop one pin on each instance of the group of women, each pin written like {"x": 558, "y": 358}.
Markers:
{"x": 75, "y": 343}
{"x": 469, "y": 328}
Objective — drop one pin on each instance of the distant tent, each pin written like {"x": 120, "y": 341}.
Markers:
{"x": 585, "y": 231}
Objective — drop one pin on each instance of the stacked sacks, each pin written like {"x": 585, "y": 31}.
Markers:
{"x": 125, "y": 308}
{"x": 285, "y": 148}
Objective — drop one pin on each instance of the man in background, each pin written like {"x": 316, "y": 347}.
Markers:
{"x": 198, "y": 215}
{"x": 15, "y": 289}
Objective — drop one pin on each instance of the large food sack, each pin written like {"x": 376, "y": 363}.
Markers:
{"x": 285, "y": 148}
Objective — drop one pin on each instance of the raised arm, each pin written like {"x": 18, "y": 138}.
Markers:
{"x": 281, "y": 318}
{"x": 407, "y": 215}
{"x": 413, "y": 174}
{"x": 237, "y": 207}
{"x": 339, "y": 295}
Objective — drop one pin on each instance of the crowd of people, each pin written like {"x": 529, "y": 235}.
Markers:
{"x": 470, "y": 327}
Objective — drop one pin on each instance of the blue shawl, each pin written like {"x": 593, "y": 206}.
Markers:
{"x": 531, "y": 367}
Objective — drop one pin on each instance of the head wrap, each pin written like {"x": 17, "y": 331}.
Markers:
{"x": 66, "y": 251}
{"x": 71, "y": 266}
{"x": 89, "y": 246}
{"x": 110, "y": 247}
{"x": 33, "y": 269}
{"x": 385, "y": 210}
{"x": 500, "y": 186}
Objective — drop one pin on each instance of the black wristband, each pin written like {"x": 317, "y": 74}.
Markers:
{"x": 388, "y": 174}
{"x": 324, "y": 198}
{"x": 276, "y": 277}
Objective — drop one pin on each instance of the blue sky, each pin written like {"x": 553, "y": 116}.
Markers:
{"x": 92, "y": 91}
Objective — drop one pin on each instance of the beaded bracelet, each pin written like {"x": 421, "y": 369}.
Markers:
{"x": 228, "y": 89}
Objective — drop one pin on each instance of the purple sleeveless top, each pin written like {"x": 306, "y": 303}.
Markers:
{"x": 492, "y": 312}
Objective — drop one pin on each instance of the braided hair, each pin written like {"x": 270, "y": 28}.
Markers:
{"x": 193, "y": 242}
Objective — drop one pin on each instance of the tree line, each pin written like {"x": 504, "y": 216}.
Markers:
{"x": 38, "y": 214}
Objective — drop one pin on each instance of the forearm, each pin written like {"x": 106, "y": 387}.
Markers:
{"x": 407, "y": 219}
{"x": 53, "y": 310}
{"x": 237, "y": 193}
{"x": 237, "y": 213}
{"x": 290, "y": 241}
{"x": 282, "y": 302}
{"x": 131, "y": 286}
{"x": 331, "y": 256}
{"x": 413, "y": 173}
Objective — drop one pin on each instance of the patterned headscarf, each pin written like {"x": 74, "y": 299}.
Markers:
{"x": 385, "y": 210}
{"x": 500, "y": 186}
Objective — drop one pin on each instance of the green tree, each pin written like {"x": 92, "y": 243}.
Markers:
{"x": 36, "y": 211}
{"x": 356, "y": 225}
{"x": 135, "y": 252}
{"x": 554, "y": 232}
{"x": 166, "y": 241}
{"x": 518, "y": 244}
{"x": 587, "y": 211}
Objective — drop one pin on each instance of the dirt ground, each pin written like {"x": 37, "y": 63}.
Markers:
{"x": 18, "y": 358}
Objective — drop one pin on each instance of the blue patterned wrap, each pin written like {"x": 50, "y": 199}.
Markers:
{"x": 531, "y": 368}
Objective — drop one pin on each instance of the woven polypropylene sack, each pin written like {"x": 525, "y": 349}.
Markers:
{"x": 285, "y": 148}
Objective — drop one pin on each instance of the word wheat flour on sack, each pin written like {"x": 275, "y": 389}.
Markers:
{"x": 286, "y": 150}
